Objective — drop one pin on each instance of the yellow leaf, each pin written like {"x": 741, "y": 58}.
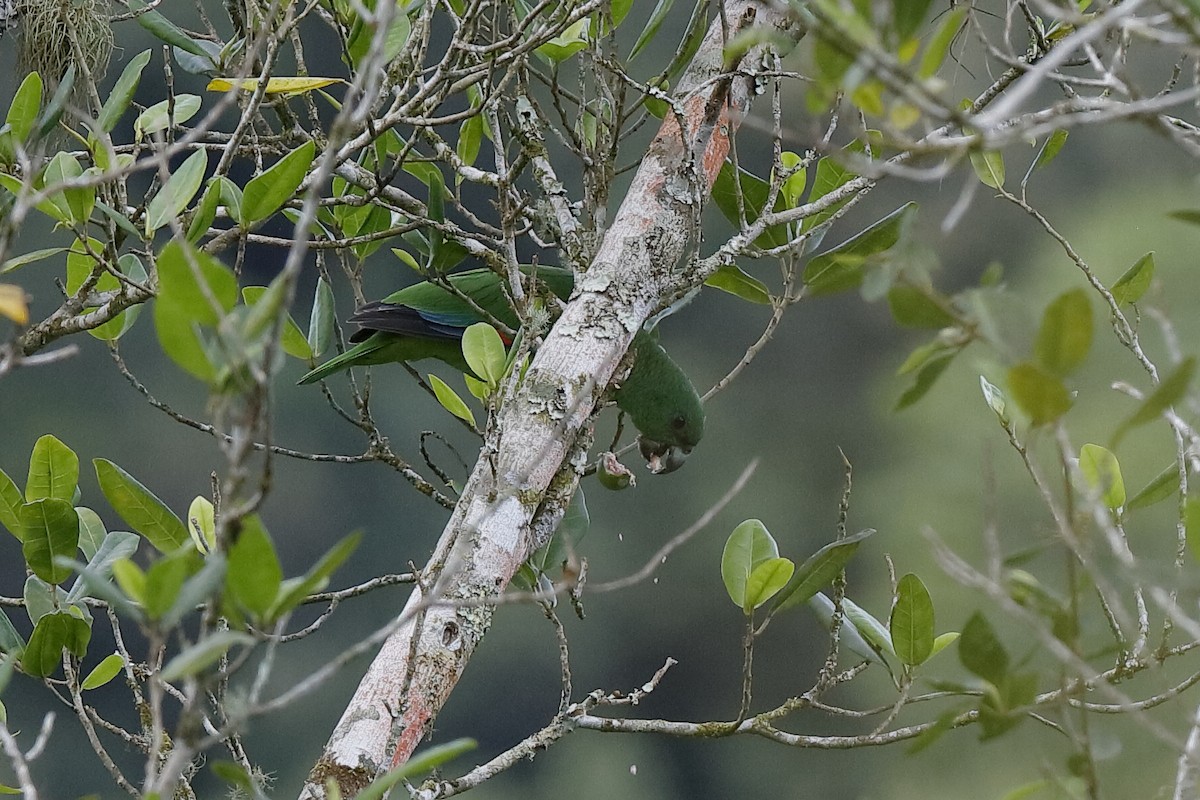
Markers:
{"x": 12, "y": 303}
{"x": 274, "y": 85}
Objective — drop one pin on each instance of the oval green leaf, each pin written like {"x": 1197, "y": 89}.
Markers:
{"x": 1041, "y": 395}
{"x": 451, "y": 401}
{"x": 254, "y": 573}
{"x": 53, "y": 470}
{"x": 484, "y": 351}
{"x": 911, "y": 624}
{"x": 51, "y": 635}
{"x": 266, "y": 193}
{"x": 819, "y": 570}
{"x": 1130, "y": 287}
{"x": 122, "y": 93}
{"x": 103, "y": 672}
{"x": 766, "y": 580}
{"x": 1102, "y": 472}
{"x": 749, "y": 545}
{"x": 49, "y": 529}
{"x": 177, "y": 192}
{"x": 140, "y": 508}
{"x": 1065, "y": 337}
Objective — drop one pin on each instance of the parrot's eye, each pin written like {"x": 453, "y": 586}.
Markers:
{"x": 679, "y": 422}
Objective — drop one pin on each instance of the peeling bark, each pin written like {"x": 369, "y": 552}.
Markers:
{"x": 521, "y": 485}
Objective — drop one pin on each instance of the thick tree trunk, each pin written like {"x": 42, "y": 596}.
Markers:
{"x": 516, "y": 494}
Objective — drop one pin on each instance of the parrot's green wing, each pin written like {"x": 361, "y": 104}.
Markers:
{"x": 426, "y": 320}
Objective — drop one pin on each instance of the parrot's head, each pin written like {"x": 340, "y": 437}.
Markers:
{"x": 664, "y": 406}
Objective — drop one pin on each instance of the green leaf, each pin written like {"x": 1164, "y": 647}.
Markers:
{"x": 293, "y": 591}
{"x": 1066, "y": 333}
{"x": 1191, "y": 216}
{"x": 73, "y": 205}
{"x": 750, "y": 545}
{"x": 830, "y": 176}
{"x": 849, "y": 637}
{"x": 194, "y": 284}
{"x": 470, "y": 135}
{"x": 41, "y": 598}
{"x": 11, "y": 501}
{"x": 907, "y": 16}
{"x": 91, "y": 531}
{"x": 451, "y": 401}
{"x": 484, "y": 351}
{"x": 981, "y": 652}
{"x": 567, "y": 43}
{"x": 23, "y": 110}
{"x": 254, "y": 572}
{"x": 819, "y": 570}
{"x": 926, "y": 378}
{"x": 205, "y": 579}
{"x": 181, "y": 339}
{"x": 203, "y": 654}
{"x": 911, "y": 624}
{"x": 1169, "y": 391}
{"x": 942, "y": 641}
{"x": 995, "y": 399}
{"x": 1050, "y": 149}
{"x": 1163, "y": 485}
{"x": 793, "y": 186}
{"x": 1130, "y": 287}
{"x": 131, "y": 267}
{"x": 49, "y": 529}
{"x": 292, "y": 341}
{"x": 164, "y": 29}
{"x": 1019, "y": 689}
{"x": 321, "y": 320}
{"x": 31, "y": 257}
{"x": 103, "y": 672}
{"x": 915, "y": 308}
{"x": 122, "y": 93}
{"x": 843, "y": 267}
{"x": 423, "y": 762}
{"x": 114, "y": 547}
{"x": 1191, "y": 520}
{"x": 989, "y": 168}
{"x": 177, "y": 192}
{"x": 201, "y": 524}
{"x": 53, "y": 471}
{"x": 1102, "y": 471}
{"x": 871, "y": 629}
{"x": 54, "y": 109}
{"x": 767, "y": 579}
{"x": 206, "y": 211}
{"x": 164, "y": 581}
{"x": 140, "y": 508}
{"x": 158, "y": 117}
{"x": 266, "y": 193}
{"x": 362, "y": 35}
{"x": 11, "y": 642}
{"x": 130, "y": 579}
{"x": 754, "y": 193}
{"x": 657, "y": 17}
{"x": 1041, "y": 395}
{"x": 51, "y": 635}
{"x": 620, "y": 9}
{"x": 730, "y": 278}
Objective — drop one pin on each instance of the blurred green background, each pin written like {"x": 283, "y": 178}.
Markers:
{"x": 826, "y": 381}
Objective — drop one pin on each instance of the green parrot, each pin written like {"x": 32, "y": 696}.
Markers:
{"x": 427, "y": 321}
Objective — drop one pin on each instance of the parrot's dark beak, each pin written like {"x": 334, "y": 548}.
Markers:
{"x": 662, "y": 458}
